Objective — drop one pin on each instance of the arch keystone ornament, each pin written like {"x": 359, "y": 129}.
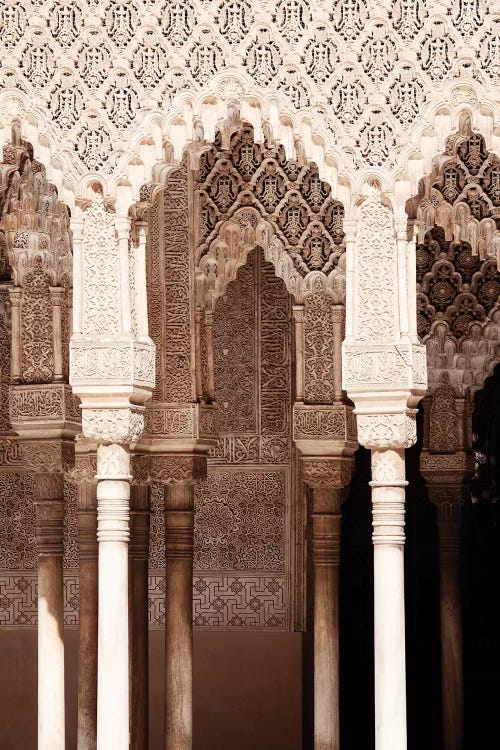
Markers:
{"x": 384, "y": 374}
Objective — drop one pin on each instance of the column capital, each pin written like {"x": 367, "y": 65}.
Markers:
{"x": 171, "y": 468}
{"x": 328, "y": 429}
{"x": 113, "y": 463}
{"x": 49, "y": 526}
{"x": 379, "y": 430}
{"x": 388, "y": 496}
{"x": 322, "y": 472}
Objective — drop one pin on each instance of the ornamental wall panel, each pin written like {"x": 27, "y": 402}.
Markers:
{"x": 243, "y": 541}
{"x": 365, "y": 73}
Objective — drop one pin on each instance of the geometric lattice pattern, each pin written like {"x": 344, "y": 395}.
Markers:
{"x": 367, "y": 68}
{"x": 19, "y": 594}
{"x": 219, "y": 601}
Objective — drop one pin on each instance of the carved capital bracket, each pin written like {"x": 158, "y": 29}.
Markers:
{"x": 170, "y": 468}
{"x": 371, "y": 366}
{"x": 112, "y": 358}
{"x": 180, "y": 424}
{"x": 44, "y": 410}
{"x": 113, "y": 381}
{"x": 384, "y": 366}
{"x": 326, "y": 472}
{"x": 379, "y": 430}
{"x": 113, "y": 424}
{"x": 49, "y": 524}
{"x": 98, "y": 365}
{"x": 324, "y": 430}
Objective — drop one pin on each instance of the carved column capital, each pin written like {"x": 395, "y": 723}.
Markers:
{"x": 388, "y": 497}
{"x": 49, "y": 525}
{"x": 87, "y": 521}
{"x": 387, "y": 430}
{"x": 139, "y": 523}
{"x": 113, "y": 463}
{"x": 179, "y": 522}
{"x": 326, "y": 472}
{"x": 113, "y": 493}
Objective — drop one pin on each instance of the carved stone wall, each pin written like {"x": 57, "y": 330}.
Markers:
{"x": 243, "y": 542}
{"x": 169, "y": 300}
{"x": 18, "y": 552}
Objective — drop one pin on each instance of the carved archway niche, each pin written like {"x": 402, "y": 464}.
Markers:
{"x": 35, "y": 296}
{"x": 457, "y": 219}
{"x": 39, "y": 414}
{"x": 250, "y": 194}
{"x": 239, "y": 216}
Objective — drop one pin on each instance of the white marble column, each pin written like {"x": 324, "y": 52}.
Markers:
{"x": 113, "y": 496}
{"x": 388, "y": 500}
{"x": 179, "y": 526}
{"x": 49, "y": 520}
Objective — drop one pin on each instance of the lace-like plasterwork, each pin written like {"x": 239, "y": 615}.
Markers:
{"x": 307, "y": 220}
{"x": 368, "y": 67}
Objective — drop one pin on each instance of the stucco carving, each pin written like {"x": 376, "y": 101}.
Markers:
{"x": 362, "y": 80}
{"x": 387, "y": 430}
{"x": 251, "y": 194}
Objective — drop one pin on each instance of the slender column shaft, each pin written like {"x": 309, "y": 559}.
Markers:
{"x": 209, "y": 337}
{"x": 388, "y": 496}
{"x": 123, "y": 231}
{"x": 87, "y": 643}
{"x": 451, "y": 626}
{"x": 138, "y": 619}
{"x": 58, "y": 299}
{"x": 326, "y": 558}
{"x": 298, "y": 314}
{"x": 198, "y": 317}
{"x": 15, "y": 344}
{"x": 113, "y": 495}
{"x": 179, "y": 521}
{"x": 49, "y": 516}
{"x": 338, "y": 314}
